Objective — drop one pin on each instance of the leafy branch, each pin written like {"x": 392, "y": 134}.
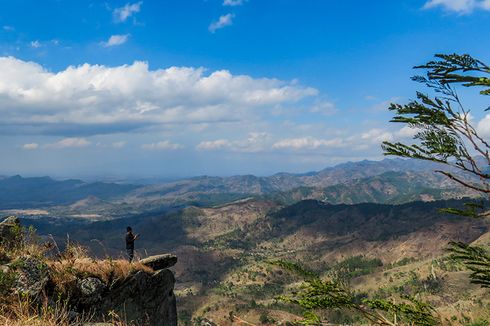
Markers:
{"x": 446, "y": 136}
{"x": 319, "y": 294}
{"x": 476, "y": 259}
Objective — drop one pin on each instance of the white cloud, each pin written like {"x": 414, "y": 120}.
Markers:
{"x": 214, "y": 144}
{"x": 338, "y": 142}
{"x": 30, "y": 146}
{"x": 325, "y": 108}
{"x": 223, "y": 21}
{"x": 307, "y": 143}
{"x": 255, "y": 142}
{"x": 72, "y": 142}
{"x": 483, "y": 127}
{"x": 119, "y": 144}
{"x": 94, "y": 99}
{"x": 116, "y": 40}
{"x": 459, "y": 6}
{"x": 233, "y": 3}
{"x": 162, "y": 145}
{"x": 407, "y": 132}
{"x": 121, "y": 14}
{"x": 8, "y": 28}
{"x": 36, "y": 44}
{"x": 377, "y": 136}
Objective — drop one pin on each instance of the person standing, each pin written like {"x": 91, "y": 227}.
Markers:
{"x": 130, "y": 237}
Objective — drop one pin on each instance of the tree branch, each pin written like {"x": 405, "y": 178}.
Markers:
{"x": 463, "y": 183}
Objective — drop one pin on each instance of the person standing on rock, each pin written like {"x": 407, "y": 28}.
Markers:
{"x": 130, "y": 237}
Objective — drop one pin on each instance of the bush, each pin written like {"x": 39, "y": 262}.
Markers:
{"x": 7, "y": 279}
{"x": 356, "y": 266}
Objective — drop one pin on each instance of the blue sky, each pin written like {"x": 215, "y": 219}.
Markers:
{"x": 220, "y": 87}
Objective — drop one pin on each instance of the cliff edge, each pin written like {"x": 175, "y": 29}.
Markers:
{"x": 107, "y": 290}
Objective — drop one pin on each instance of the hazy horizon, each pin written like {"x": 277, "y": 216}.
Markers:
{"x": 142, "y": 178}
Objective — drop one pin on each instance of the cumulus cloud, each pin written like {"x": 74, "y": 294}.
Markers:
{"x": 483, "y": 127}
{"x": 162, "y": 145}
{"x": 407, "y": 132}
{"x": 459, "y": 6}
{"x": 72, "y": 142}
{"x": 233, "y": 3}
{"x": 30, "y": 146}
{"x": 95, "y": 99}
{"x": 307, "y": 143}
{"x": 121, "y": 14}
{"x": 116, "y": 40}
{"x": 223, "y": 21}
{"x": 377, "y": 136}
{"x": 361, "y": 141}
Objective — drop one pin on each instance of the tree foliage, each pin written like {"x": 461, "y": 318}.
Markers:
{"x": 329, "y": 294}
{"x": 444, "y": 131}
{"x": 476, "y": 259}
{"x": 445, "y": 135}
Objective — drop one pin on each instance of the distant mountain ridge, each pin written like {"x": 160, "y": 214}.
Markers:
{"x": 384, "y": 181}
{"x": 19, "y": 192}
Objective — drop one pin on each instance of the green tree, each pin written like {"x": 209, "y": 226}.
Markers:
{"x": 319, "y": 294}
{"x": 445, "y": 135}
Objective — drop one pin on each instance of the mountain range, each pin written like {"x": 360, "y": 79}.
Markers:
{"x": 386, "y": 181}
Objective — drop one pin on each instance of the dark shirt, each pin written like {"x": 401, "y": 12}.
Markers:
{"x": 129, "y": 240}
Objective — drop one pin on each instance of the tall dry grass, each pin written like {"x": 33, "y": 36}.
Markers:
{"x": 75, "y": 263}
{"x": 26, "y": 313}
{"x": 66, "y": 267}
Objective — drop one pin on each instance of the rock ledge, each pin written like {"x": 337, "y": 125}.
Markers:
{"x": 160, "y": 262}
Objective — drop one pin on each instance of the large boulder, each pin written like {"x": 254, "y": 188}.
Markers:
{"x": 91, "y": 290}
{"x": 160, "y": 262}
{"x": 143, "y": 298}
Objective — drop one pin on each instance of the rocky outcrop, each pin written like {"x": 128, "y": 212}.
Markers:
{"x": 91, "y": 290}
{"x": 143, "y": 298}
{"x": 146, "y": 299}
{"x": 160, "y": 262}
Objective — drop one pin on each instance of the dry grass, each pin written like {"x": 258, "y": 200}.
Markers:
{"x": 74, "y": 263}
{"x": 25, "y": 313}
{"x": 107, "y": 270}
{"x": 66, "y": 267}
